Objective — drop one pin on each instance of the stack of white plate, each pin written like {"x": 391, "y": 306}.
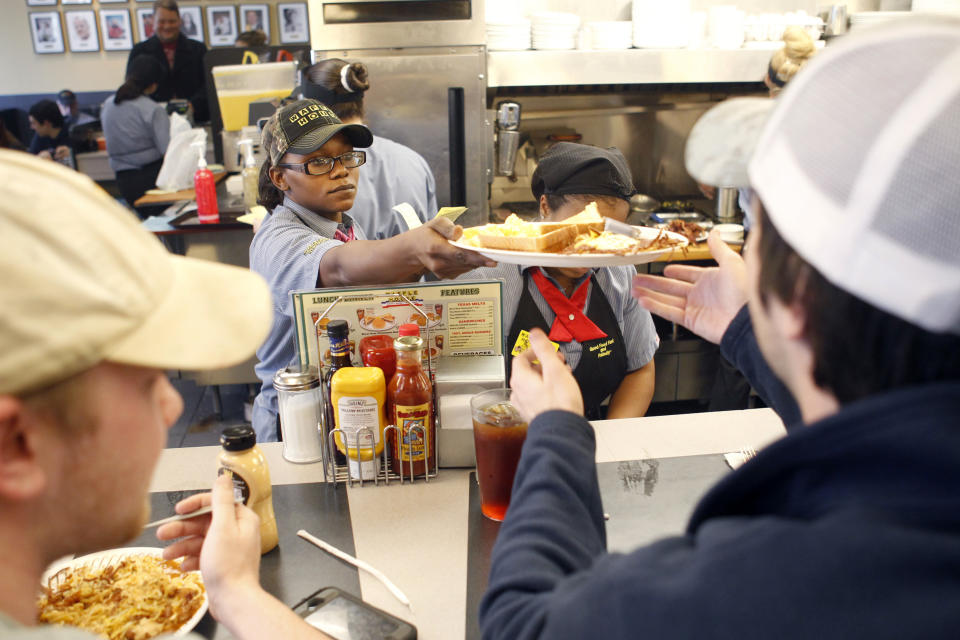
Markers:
{"x": 661, "y": 25}
{"x": 507, "y": 34}
{"x": 865, "y": 19}
{"x": 610, "y": 35}
{"x": 555, "y": 30}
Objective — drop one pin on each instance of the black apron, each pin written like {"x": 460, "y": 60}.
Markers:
{"x": 603, "y": 362}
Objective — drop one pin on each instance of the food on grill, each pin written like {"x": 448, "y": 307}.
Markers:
{"x": 690, "y": 230}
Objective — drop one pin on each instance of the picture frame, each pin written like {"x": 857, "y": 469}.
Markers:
{"x": 82, "y": 33}
{"x": 145, "y": 23}
{"x": 292, "y": 22}
{"x": 76, "y": 1}
{"x": 116, "y": 29}
{"x": 191, "y": 23}
{"x": 41, "y": 3}
{"x": 222, "y": 25}
{"x": 111, "y": 1}
{"x": 255, "y": 16}
{"x": 46, "y": 31}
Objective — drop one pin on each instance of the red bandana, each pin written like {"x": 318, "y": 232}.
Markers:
{"x": 344, "y": 237}
{"x": 571, "y": 323}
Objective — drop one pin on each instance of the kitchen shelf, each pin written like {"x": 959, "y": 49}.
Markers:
{"x": 629, "y": 66}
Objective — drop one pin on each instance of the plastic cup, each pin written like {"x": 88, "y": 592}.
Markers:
{"x": 498, "y": 435}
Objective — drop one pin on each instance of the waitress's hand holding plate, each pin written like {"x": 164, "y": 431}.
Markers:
{"x": 437, "y": 255}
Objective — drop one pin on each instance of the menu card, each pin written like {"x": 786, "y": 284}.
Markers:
{"x": 459, "y": 318}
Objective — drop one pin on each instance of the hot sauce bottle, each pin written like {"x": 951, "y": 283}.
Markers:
{"x": 410, "y": 409}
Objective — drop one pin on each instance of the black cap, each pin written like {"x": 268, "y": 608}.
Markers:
{"x": 239, "y": 438}
{"x": 66, "y": 97}
{"x": 569, "y": 168}
{"x": 306, "y": 125}
{"x": 337, "y": 329}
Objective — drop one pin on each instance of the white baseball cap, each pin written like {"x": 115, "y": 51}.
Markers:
{"x": 83, "y": 282}
{"x": 857, "y": 165}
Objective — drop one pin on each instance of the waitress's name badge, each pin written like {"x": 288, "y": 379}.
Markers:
{"x": 523, "y": 343}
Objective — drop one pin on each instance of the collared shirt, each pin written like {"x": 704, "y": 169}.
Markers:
{"x": 639, "y": 334}
{"x": 392, "y": 174}
{"x": 137, "y": 132}
{"x": 287, "y": 251}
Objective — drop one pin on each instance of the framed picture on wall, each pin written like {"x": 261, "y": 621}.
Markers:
{"x": 41, "y": 3}
{"x": 82, "y": 31}
{"x": 191, "y": 23}
{"x": 76, "y": 1}
{"x": 222, "y": 24}
{"x": 145, "y": 23}
{"x": 255, "y": 17}
{"x": 116, "y": 29}
{"x": 47, "y": 32}
{"x": 111, "y": 1}
{"x": 292, "y": 18}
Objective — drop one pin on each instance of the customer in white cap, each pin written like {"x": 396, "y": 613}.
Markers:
{"x": 94, "y": 311}
{"x": 849, "y": 527}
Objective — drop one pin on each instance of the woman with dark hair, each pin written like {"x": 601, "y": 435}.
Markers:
{"x": 137, "y": 130}
{"x": 393, "y": 172}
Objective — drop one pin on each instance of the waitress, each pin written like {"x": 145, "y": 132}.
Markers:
{"x": 606, "y": 337}
{"x": 308, "y": 181}
{"x": 394, "y": 173}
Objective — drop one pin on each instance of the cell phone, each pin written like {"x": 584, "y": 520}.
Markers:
{"x": 345, "y": 617}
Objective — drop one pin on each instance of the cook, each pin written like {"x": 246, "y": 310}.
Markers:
{"x": 605, "y": 336}
{"x": 308, "y": 182}
{"x": 393, "y": 174}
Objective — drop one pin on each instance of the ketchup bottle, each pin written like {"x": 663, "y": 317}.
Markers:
{"x": 205, "y": 188}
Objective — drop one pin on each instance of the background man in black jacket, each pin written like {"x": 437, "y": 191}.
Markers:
{"x": 181, "y": 57}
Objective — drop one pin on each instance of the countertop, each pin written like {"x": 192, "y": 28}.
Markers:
{"x": 418, "y": 534}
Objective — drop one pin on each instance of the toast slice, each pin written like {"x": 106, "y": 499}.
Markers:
{"x": 548, "y": 242}
{"x": 586, "y": 221}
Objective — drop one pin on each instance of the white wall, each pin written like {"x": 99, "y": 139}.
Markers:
{"x": 23, "y": 71}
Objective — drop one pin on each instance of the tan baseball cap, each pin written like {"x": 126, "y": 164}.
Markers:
{"x": 83, "y": 282}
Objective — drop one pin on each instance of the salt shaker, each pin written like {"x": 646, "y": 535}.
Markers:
{"x": 298, "y": 393}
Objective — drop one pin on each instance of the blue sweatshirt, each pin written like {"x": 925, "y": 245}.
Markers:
{"x": 848, "y": 528}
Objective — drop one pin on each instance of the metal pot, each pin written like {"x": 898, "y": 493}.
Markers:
{"x": 642, "y": 203}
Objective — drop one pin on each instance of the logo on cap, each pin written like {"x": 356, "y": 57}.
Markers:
{"x": 303, "y": 116}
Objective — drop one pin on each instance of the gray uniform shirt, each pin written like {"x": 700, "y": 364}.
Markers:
{"x": 137, "y": 132}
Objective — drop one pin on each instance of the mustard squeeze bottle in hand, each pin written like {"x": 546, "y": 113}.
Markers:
{"x": 251, "y": 478}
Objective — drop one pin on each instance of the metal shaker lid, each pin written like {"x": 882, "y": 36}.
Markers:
{"x": 408, "y": 343}
{"x": 296, "y": 379}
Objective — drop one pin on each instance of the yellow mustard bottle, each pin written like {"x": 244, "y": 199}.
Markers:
{"x": 358, "y": 396}
{"x": 251, "y": 478}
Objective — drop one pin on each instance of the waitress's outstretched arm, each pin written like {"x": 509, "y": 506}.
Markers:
{"x": 402, "y": 258}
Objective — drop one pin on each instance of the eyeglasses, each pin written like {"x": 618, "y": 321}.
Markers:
{"x": 321, "y": 165}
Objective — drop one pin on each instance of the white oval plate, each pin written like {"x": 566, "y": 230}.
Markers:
{"x": 102, "y": 559}
{"x": 532, "y": 258}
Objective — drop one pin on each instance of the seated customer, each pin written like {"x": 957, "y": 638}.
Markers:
{"x": 51, "y": 140}
{"x": 611, "y": 340}
{"x": 70, "y": 108}
{"x": 137, "y": 130}
{"x": 850, "y": 526}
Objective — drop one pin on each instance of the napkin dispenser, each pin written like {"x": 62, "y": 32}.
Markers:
{"x": 459, "y": 379}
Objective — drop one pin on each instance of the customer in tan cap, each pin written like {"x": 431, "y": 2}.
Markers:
{"x": 94, "y": 310}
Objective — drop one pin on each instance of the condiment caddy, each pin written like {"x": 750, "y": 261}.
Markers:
{"x": 366, "y": 444}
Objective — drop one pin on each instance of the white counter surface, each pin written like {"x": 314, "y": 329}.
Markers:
{"x": 428, "y": 521}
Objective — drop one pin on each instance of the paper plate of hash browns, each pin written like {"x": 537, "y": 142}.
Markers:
{"x": 569, "y": 244}
{"x": 123, "y": 594}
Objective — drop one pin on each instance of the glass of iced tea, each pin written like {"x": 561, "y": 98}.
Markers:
{"x": 498, "y": 435}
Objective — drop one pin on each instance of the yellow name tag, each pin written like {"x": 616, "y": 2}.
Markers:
{"x": 523, "y": 343}
{"x": 451, "y": 212}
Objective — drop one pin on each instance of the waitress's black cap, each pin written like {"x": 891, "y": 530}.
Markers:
{"x": 569, "y": 168}
{"x": 306, "y": 125}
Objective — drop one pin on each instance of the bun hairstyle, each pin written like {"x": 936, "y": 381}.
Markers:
{"x": 798, "y": 48}
{"x": 340, "y": 86}
{"x": 142, "y": 72}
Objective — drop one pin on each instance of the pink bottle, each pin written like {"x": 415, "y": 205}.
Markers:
{"x": 206, "y": 188}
